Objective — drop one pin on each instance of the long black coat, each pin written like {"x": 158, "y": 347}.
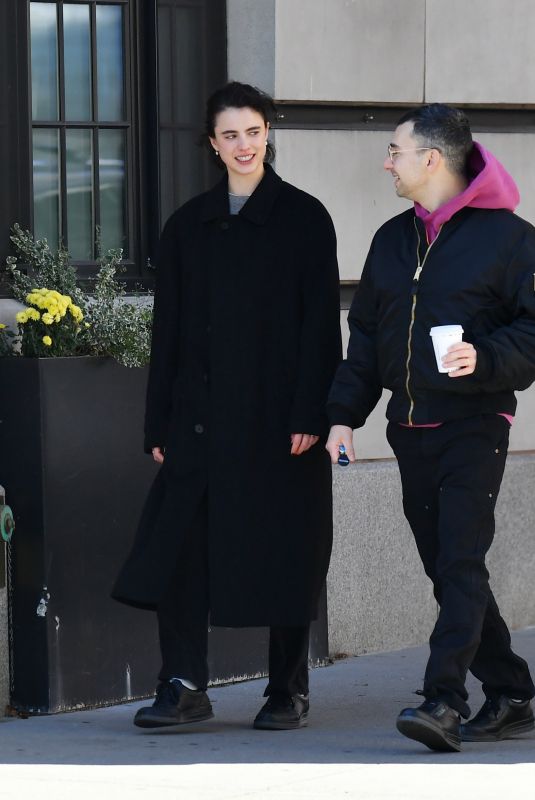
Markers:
{"x": 246, "y": 340}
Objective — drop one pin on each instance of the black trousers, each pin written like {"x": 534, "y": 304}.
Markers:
{"x": 183, "y": 624}
{"x": 451, "y": 477}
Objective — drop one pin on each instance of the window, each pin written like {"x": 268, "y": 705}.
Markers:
{"x": 81, "y": 126}
{"x": 100, "y": 109}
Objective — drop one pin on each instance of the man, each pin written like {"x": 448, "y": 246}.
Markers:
{"x": 459, "y": 257}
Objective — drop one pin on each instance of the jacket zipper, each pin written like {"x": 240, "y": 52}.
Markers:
{"x": 414, "y": 293}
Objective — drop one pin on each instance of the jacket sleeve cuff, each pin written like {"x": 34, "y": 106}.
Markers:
{"x": 484, "y": 364}
{"x": 338, "y": 415}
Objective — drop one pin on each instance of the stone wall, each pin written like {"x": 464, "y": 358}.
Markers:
{"x": 379, "y": 597}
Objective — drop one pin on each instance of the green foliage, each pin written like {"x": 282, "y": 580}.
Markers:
{"x": 118, "y": 327}
{"x": 46, "y": 268}
{"x": 6, "y": 341}
{"x": 64, "y": 320}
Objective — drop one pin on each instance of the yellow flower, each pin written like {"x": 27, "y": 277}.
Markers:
{"x": 47, "y": 340}
{"x": 47, "y": 318}
{"x": 36, "y": 300}
{"x": 22, "y": 316}
{"x": 32, "y": 313}
{"x": 2, "y": 326}
{"x": 76, "y": 313}
{"x": 58, "y": 317}
{"x": 33, "y": 295}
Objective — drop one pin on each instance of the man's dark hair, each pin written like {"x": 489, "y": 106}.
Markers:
{"x": 444, "y": 127}
{"x": 238, "y": 95}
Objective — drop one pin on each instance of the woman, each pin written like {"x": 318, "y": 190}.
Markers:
{"x": 238, "y": 524}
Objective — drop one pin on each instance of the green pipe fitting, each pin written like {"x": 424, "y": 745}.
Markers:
{"x": 7, "y": 522}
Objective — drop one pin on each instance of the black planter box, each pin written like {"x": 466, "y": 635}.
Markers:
{"x": 72, "y": 464}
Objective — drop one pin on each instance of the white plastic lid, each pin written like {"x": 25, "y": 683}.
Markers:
{"x": 446, "y": 330}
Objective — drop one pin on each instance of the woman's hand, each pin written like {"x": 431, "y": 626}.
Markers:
{"x": 301, "y": 442}
{"x": 158, "y": 454}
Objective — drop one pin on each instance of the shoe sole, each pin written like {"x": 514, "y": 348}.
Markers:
{"x": 302, "y": 722}
{"x": 427, "y": 734}
{"x": 509, "y": 730}
{"x": 166, "y": 722}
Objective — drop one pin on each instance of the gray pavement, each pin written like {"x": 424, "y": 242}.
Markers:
{"x": 351, "y": 748}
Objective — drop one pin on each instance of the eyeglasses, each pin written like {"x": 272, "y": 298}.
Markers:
{"x": 392, "y": 152}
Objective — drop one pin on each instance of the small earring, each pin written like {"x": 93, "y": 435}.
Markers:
{"x": 267, "y": 141}
{"x": 216, "y": 152}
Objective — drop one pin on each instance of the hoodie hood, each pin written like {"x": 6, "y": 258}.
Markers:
{"x": 490, "y": 186}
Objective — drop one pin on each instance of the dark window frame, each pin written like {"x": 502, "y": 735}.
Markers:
{"x": 213, "y": 73}
{"x": 141, "y": 70}
{"x": 15, "y": 130}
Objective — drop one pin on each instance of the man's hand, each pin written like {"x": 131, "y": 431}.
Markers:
{"x": 158, "y": 454}
{"x": 301, "y": 442}
{"x": 340, "y": 434}
{"x": 462, "y": 357}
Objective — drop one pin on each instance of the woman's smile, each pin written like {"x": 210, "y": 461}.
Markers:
{"x": 240, "y": 142}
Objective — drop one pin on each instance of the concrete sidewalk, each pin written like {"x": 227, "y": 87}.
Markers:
{"x": 351, "y": 748}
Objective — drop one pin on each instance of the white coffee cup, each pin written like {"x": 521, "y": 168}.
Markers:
{"x": 444, "y": 336}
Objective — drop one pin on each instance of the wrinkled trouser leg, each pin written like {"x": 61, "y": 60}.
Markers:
{"x": 183, "y": 610}
{"x": 288, "y": 660}
{"x": 451, "y": 477}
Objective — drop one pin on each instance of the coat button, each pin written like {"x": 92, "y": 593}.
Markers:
{"x": 224, "y": 226}
{"x": 199, "y": 428}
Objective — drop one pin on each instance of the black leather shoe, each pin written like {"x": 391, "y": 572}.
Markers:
{"x": 433, "y": 723}
{"x": 282, "y": 712}
{"x": 175, "y": 704}
{"x": 498, "y": 718}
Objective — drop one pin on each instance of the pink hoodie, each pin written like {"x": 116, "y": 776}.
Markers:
{"x": 490, "y": 186}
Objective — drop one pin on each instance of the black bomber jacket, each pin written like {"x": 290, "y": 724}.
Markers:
{"x": 479, "y": 272}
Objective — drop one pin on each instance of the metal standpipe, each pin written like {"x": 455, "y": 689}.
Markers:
{"x": 7, "y": 526}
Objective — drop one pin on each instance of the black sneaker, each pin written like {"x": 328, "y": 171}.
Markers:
{"x": 282, "y": 713}
{"x": 497, "y": 719}
{"x": 433, "y": 723}
{"x": 175, "y": 704}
